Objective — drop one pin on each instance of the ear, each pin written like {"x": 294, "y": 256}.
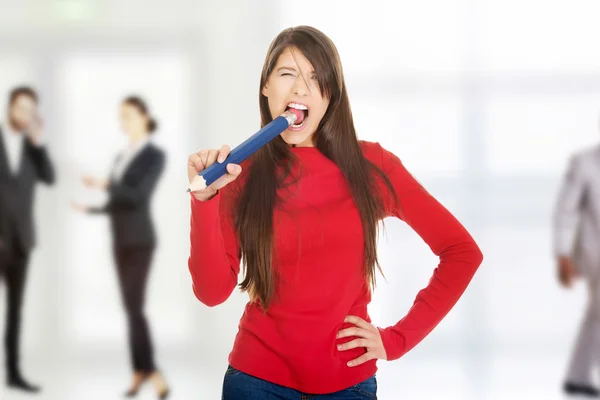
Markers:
{"x": 265, "y": 90}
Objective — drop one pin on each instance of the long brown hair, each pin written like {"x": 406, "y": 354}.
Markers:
{"x": 335, "y": 138}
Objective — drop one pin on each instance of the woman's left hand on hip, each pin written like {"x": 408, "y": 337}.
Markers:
{"x": 367, "y": 336}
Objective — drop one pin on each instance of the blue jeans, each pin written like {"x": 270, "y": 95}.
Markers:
{"x": 240, "y": 386}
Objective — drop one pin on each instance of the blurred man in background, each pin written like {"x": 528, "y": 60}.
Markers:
{"x": 577, "y": 248}
{"x": 23, "y": 162}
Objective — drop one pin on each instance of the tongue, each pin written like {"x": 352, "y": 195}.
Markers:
{"x": 299, "y": 115}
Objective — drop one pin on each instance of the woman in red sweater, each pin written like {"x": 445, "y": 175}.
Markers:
{"x": 302, "y": 216}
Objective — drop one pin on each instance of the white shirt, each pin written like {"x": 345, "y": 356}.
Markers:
{"x": 126, "y": 157}
{"x": 13, "y": 145}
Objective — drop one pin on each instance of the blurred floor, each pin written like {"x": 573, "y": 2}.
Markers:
{"x": 505, "y": 376}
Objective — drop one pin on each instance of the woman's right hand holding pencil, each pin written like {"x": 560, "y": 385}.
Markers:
{"x": 198, "y": 162}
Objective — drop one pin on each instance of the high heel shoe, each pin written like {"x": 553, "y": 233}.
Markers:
{"x": 164, "y": 394}
{"x": 160, "y": 385}
{"x": 134, "y": 390}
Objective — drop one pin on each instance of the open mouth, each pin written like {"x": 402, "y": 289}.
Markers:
{"x": 301, "y": 112}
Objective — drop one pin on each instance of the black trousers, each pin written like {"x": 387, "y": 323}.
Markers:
{"x": 13, "y": 269}
{"x": 133, "y": 266}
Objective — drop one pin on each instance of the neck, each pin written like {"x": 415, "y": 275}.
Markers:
{"x": 307, "y": 143}
{"x": 302, "y": 145}
{"x": 135, "y": 138}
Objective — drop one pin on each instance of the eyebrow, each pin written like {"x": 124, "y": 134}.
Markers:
{"x": 290, "y": 69}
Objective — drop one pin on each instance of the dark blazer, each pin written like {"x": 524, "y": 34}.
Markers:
{"x": 17, "y": 193}
{"x": 129, "y": 199}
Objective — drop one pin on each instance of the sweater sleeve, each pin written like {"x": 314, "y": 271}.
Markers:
{"x": 458, "y": 253}
{"x": 214, "y": 261}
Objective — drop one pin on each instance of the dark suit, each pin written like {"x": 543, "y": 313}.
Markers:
{"x": 17, "y": 233}
{"x": 134, "y": 240}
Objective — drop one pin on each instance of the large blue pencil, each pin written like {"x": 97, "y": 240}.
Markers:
{"x": 269, "y": 132}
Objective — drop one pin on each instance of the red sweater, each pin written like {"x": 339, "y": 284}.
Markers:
{"x": 319, "y": 242}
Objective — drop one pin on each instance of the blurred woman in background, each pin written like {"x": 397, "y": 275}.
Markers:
{"x": 130, "y": 187}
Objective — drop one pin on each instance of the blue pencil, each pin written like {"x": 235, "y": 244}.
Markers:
{"x": 243, "y": 151}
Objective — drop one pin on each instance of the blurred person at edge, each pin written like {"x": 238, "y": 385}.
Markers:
{"x": 576, "y": 245}
{"x": 24, "y": 161}
{"x": 130, "y": 187}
